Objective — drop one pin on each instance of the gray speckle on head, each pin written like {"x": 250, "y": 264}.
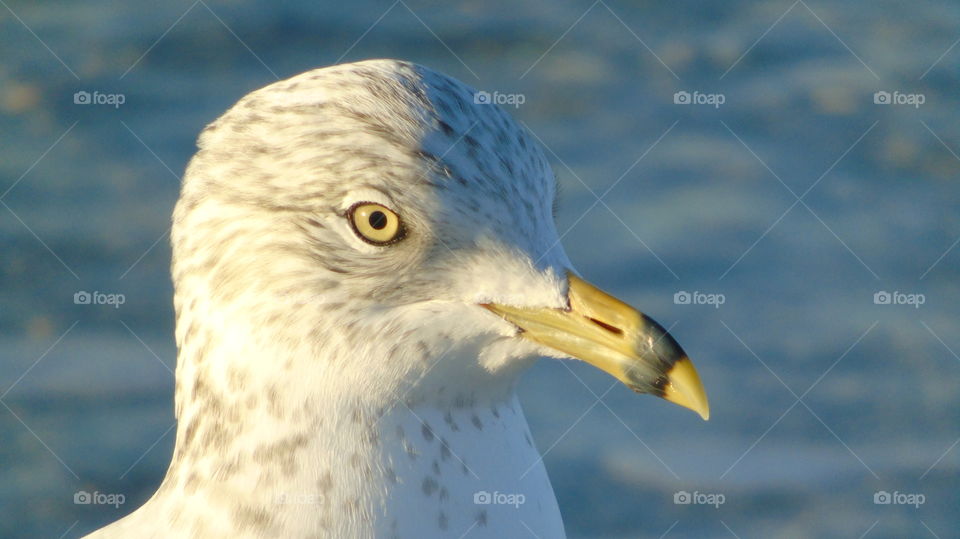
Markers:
{"x": 476, "y": 422}
{"x": 352, "y": 507}
{"x": 373, "y": 435}
{"x": 444, "y": 449}
{"x": 427, "y": 432}
{"x": 391, "y": 475}
{"x": 252, "y": 519}
{"x": 448, "y": 419}
{"x": 325, "y": 482}
{"x": 411, "y": 451}
{"x": 429, "y": 485}
{"x": 192, "y": 482}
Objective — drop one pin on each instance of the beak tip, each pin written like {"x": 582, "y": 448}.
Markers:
{"x": 685, "y": 389}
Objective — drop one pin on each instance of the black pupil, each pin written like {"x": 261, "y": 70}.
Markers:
{"x": 378, "y": 220}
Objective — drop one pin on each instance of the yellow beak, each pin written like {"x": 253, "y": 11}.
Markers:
{"x": 614, "y": 337}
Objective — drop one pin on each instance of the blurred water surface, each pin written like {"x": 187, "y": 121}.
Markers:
{"x": 822, "y": 398}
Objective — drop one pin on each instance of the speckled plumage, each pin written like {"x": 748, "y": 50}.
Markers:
{"x": 327, "y": 387}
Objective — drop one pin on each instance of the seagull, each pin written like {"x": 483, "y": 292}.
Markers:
{"x": 365, "y": 260}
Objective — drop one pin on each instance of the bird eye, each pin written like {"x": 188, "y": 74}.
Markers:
{"x": 375, "y": 223}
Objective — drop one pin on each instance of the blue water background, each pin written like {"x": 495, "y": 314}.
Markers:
{"x": 821, "y": 398}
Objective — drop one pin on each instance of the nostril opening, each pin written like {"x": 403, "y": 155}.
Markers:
{"x": 612, "y": 329}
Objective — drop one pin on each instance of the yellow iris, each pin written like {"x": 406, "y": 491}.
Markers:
{"x": 376, "y": 223}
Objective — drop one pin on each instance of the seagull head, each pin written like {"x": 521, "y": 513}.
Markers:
{"x": 378, "y": 221}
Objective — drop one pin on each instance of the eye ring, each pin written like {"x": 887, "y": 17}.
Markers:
{"x": 375, "y": 223}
